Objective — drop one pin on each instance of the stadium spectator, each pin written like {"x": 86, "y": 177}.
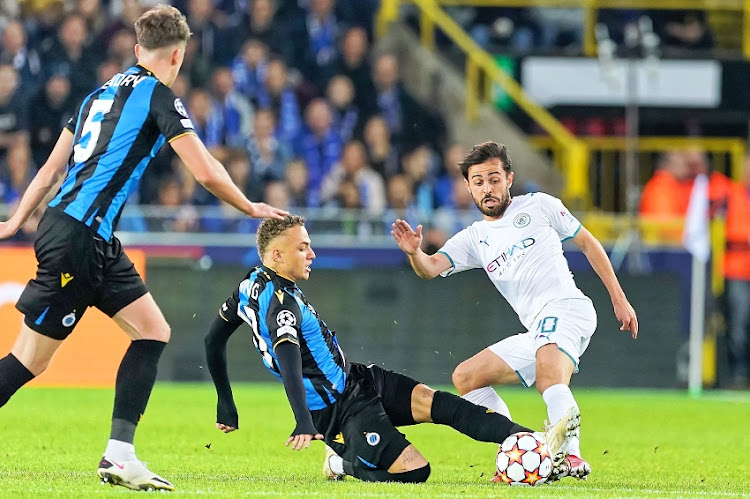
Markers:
{"x": 178, "y": 215}
{"x": 408, "y": 121}
{"x": 95, "y": 15}
{"x": 199, "y": 106}
{"x": 13, "y": 110}
{"x": 296, "y": 176}
{"x": 683, "y": 29}
{"x": 106, "y": 70}
{"x": 249, "y": 68}
{"x": 48, "y": 111}
{"x": 381, "y": 153}
{"x": 533, "y": 276}
{"x": 348, "y": 119}
{"x": 401, "y": 205}
{"x": 452, "y": 218}
{"x": 120, "y": 48}
{"x": 354, "y": 63}
{"x": 198, "y": 67}
{"x": 353, "y": 168}
{"x": 232, "y": 115}
{"x": 444, "y": 185}
{"x": 558, "y": 27}
{"x": 71, "y": 53}
{"x": 268, "y": 155}
{"x": 277, "y": 192}
{"x": 666, "y": 195}
{"x": 213, "y": 40}
{"x": 320, "y": 146}
{"x": 417, "y": 166}
{"x": 737, "y": 274}
{"x": 316, "y": 37}
{"x": 278, "y": 95}
{"x": 258, "y": 23}
{"x": 16, "y": 171}
{"x": 23, "y": 58}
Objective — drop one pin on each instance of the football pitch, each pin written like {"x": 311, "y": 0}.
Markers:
{"x": 639, "y": 443}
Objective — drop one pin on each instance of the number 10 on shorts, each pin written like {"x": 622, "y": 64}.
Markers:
{"x": 546, "y": 326}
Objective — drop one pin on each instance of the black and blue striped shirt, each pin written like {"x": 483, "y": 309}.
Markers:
{"x": 277, "y": 311}
{"x": 117, "y": 130}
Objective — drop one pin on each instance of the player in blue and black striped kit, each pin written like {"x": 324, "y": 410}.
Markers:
{"x": 353, "y": 407}
{"x": 102, "y": 153}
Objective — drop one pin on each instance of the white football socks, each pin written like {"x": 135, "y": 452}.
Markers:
{"x": 559, "y": 399}
{"x": 120, "y": 451}
{"x": 488, "y": 397}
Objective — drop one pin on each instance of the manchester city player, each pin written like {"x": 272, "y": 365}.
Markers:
{"x": 519, "y": 246}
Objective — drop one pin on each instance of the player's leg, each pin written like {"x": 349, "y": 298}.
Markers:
{"x": 473, "y": 378}
{"x": 561, "y": 336}
{"x": 407, "y": 401}
{"x": 144, "y": 322}
{"x": 124, "y": 297}
{"x": 28, "y": 358}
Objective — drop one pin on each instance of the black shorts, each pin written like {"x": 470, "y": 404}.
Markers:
{"x": 361, "y": 425}
{"x": 77, "y": 269}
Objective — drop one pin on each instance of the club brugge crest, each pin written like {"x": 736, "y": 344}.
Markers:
{"x": 521, "y": 220}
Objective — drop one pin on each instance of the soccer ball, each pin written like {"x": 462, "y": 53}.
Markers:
{"x": 523, "y": 459}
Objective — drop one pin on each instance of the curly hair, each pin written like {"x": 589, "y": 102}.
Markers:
{"x": 160, "y": 27}
{"x": 272, "y": 228}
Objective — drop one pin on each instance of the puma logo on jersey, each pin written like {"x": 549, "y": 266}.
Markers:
{"x": 65, "y": 278}
{"x": 484, "y": 241}
{"x": 339, "y": 438}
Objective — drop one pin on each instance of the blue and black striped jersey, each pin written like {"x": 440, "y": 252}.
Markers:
{"x": 117, "y": 130}
{"x": 277, "y": 311}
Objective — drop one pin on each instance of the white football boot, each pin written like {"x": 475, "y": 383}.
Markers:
{"x": 327, "y": 471}
{"x": 558, "y": 437}
{"x": 131, "y": 474}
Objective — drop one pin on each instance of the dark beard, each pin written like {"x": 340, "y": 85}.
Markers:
{"x": 498, "y": 210}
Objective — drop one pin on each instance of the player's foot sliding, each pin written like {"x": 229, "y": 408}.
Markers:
{"x": 577, "y": 467}
{"x": 131, "y": 474}
{"x": 328, "y": 471}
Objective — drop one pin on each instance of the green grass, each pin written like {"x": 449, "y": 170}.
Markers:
{"x": 639, "y": 443}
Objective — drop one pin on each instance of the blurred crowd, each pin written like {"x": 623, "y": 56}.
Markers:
{"x": 287, "y": 94}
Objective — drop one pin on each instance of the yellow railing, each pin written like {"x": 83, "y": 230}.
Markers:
{"x": 590, "y": 7}
{"x": 572, "y": 154}
{"x": 726, "y": 155}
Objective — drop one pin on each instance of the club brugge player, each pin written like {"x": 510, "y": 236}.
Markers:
{"x": 519, "y": 245}
{"x": 102, "y": 153}
{"x": 353, "y": 407}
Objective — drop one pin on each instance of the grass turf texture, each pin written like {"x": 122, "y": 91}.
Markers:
{"x": 640, "y": 444}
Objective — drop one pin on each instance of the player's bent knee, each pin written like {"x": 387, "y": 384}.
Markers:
{"x": 160, "y": 332}
{"x": 463, "y": 379}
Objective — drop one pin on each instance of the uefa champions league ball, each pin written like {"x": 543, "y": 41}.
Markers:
{"x": 523, "y": 459}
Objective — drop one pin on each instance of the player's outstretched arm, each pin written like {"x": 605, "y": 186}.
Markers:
{"x": 290, "y": 365}
{"x": 599, "y": 261}
{"x": 424, "y": 265}
{"x": 43, "y": 182}
{"x": 215, "y": 342}
{"x": 213, "y": 176}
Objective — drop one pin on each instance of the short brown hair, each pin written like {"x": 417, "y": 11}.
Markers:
{"x": 481, "y": 153}
{"x": 271, "y": 228}
{"x": 161, "y": 26}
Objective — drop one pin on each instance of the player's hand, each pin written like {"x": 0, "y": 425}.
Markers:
{"x": 262, "y": 210}
{"x": 626, "y": 314}
{"x": 7, "y": 229}
{"x": 408, "y": 240}
{"x": 302, "y": 441}
{"x": 225, "y": 428}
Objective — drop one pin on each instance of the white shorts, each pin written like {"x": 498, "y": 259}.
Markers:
{"x": 568, "y": 323}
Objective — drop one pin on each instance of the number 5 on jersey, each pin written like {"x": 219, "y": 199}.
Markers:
{"x": 92, "y": 127}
